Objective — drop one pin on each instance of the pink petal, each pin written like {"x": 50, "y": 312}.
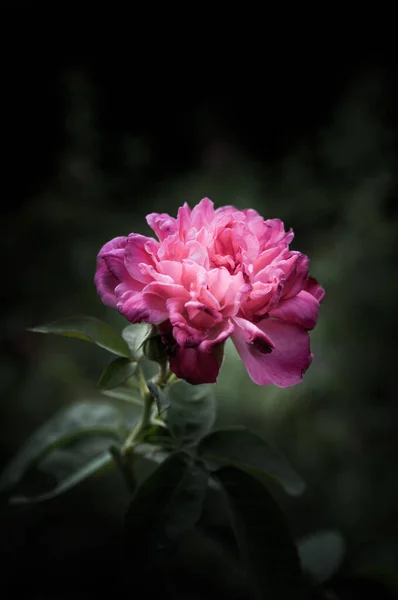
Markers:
{"x": 167, "y": 290}
{"x": 105, "y": 283}
{"x": 115, "y": 244}
{"x": 107, "y": 279}
{"x": 302, "y": 309}
{"x": 162, "y": 224}
{"x": 286, "y": 363}
{"x": 183, "y": 221}
{"x": 184, "y": 332}
{"x": 252, "y": 334}
{"x": 202, "y": 316}
{"x": 172, "y": 248}
{"x": 139, "y": 307}
{"x": 137, "y": 253}
{"x": 114, "y": 261}
{"x": 202, "y": 214}
{"x": 197, "y": 253}
{"x": 267, "y": 257}
{"x": 275, "y": 232}
{"x": 296, "y": 274}
{"x": 217, "y": 335}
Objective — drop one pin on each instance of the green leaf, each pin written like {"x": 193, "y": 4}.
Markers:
{"x": 161, "y": 396}
{"x": 167, "y": 504}
{"x": 135, "y": 336}
{"x": 65, "y": 448}
{"x": 89, "y": 329}
{"x": 321, "y": 554}
{"x": 263, "y": 538}
{"x": 116, "y": 373}
{"x": 192, "y": 412}
{"x": 124, "y": 394}
{"x": 245, "y": 450}
{"x": 185, "y": 507}
{"x": 69, "y": 482}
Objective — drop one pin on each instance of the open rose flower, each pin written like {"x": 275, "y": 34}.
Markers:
{"x": 214, "y": 274}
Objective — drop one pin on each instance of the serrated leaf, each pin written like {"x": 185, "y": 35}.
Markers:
{"x": 241, "y": 448}
{"x": 135, "y": 335}
{"x": 116, "y": 373}
{"x": 263, "y": 538}
{"x": 167, "y": 504}
{"x": 321, "y": 554}
{"x": 89, "y": 329}
{"x": 161, "y": 396}
{"x": 192, "y": 412}
{"x": 66, "y": 445}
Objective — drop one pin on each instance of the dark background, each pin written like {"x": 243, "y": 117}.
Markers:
{"x": 95, "y": 140}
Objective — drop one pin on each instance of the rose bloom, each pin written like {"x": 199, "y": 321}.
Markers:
{"x": 214, "y": 274}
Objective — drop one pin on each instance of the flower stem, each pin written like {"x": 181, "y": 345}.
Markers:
{"x": 143, "y": 423}
{"x": 123, "y": 457}
{"x": 124, "y": 467}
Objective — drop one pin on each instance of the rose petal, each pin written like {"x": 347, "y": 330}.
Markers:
{"x": 253, "y": 335}
{"x": 105, "y": 279}
{"x": 202, "y": 316}
{"x": 184, "y": 221}
{"x": 202, "y": 214}
{"x": 167, "y": 290}
{"x": 286, "y": 363}
{"x": 302, "y": 309}
{"x": 162, "y": 224}
{"x": 116, "y": 244}
{"x": 136, "y": 253}
{"x": 140, "y": 307}
{"x": 296, "y": 274}
{"x": 195, "y": 366}
{"x": 105, "y": 283}
{"x": 313, "y": 288}
{"x": 218, "y": 334}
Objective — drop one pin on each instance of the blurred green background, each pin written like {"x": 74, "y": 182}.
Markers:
{"x": 96, "y": 153}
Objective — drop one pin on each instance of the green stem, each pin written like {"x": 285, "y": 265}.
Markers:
{"x": 122, "y": 456}
{"x": 124, "y": 467}
{"x": 143, "y": 423}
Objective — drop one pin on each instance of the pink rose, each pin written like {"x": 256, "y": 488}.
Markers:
{"x": 212, "y": 275}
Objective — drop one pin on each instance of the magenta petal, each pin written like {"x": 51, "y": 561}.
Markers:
{"x": 139, "y": 307}
{"x": 162, "y": 224}
{"x": 202, "y": 316}
{"x": 196, "y": 367}
{"x": 137, "y": 253}
{"x": 313, "y": 288}
{"x": 116, "y": 244}
{"x": 285, "y": 365}
{"x": 107, "y": 279}
{"x": 253, "y": 335}
{"x": 301, "y": 309}
{"x": 217, "y": 335}
{"x": 105, "y": 283}
{"x": 114, "y": 260}
{"x": 296, "y": 277}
